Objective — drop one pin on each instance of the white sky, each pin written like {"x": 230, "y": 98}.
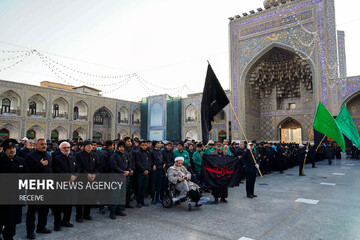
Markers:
{"x": 166, "y": 42}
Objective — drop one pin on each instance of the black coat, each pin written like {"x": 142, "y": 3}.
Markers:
{"x": 168, "y": 158}
{"x": 65, "y": 164}
{"x": 23, "y": 153}
{"x": 35, "y": 166}
{"x": 105, "y": 158}
{"x": 88, "y": 162}
{"x": 120, "y": 162}
{"x": 249, "y": 162}
{"x": 142, "y": 161}
{"x": 11, "y": 214}
{"x": 301, "y": 155}
{"x": 156, "y": 159}
{"x": 131, "y": 154}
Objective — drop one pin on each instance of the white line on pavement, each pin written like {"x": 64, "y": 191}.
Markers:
{"x": 308, "y": 201}
{"x": 328, "y": 184}
{"x": 350, "y": 164}
{"x": 245, "y": 238}
{"x": 345, "y": 168}
{"x": 339, "y": 174}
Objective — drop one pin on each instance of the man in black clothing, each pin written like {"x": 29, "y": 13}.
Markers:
{"x": 39, "y": 161}
{"x": 142, "y": 168}
{"x": 250, "y": 173}
{"x": 221, "y": 191}
{"x": 129, "y": 150}
{"x": 312, "y": 154}
{"x": 64, "y": 163}
{"x": 89, "y": 164}
{"x": 301, "y": 156}
{"x": 120, "y": 163}
{"x": 10, "y": 215}
{"x": 157, "y": 166}
{"x": 105, "y": 158}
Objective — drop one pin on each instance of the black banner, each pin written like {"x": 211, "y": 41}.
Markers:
{"x": 220, "y": 170}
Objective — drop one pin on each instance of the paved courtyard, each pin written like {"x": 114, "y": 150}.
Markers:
{"x": 273, "y": 215}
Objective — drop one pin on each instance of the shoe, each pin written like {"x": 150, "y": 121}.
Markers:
{"x": 138, "y": 205}
{"x": 216, "y": 201}
{"x": 302, "y": 175}
{"x": 102, "y": 211}
{"x": 198, "y": 205}
{"x": 88, "y": 218}
{"x": 144, "y": 204}
{"x": 31, "y": 236}
{"x": 112, "y": 216}
{"x": 254, "y": 195}
{"x": 153, "y": 202}
{"x": 223, "y": 200}
{"x": 57, "y": 228}
{"x": 249, "y": 196}
{"x": 67, "y": 224}
{"x": 79, "y": 220}
{"x": 128, "y": 206}
{"x": 43, "y": 230}
{"x": 158, "y": 201}
{"x": 121, "y": 214}
{"x": 314, "y": 167}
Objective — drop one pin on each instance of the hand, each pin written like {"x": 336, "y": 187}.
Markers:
{"x": 132, "y": 172}
{"x": 201, "y": 154}
{"x": 93, "y": 177}
{"x": 180, "y": 179}
{"x": 189, "y": 165}
{"x": 146, "y": 172}
{"x": 164, "y": 166}
{"x": 154, "y": 168}
{"x": 257, "y": 165}
{"x": 126, "y": 173}
{"x": 306, "y": 150}
{"x": 89, "y": 177}
{"x": 225, "y": 147}
{"x": 44, "y": 162}
{"x": 72, "y": 178}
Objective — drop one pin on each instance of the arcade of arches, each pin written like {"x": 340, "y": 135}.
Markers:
{"x": 277, "y": 86}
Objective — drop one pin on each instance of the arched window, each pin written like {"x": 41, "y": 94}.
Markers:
{"x": 76, "y": 112}
{"x": 56, "y": 111}
{"x": 32, "y": 108}
{"x": 98, "y": 119}
{"x": 6, "y": 103}
{"x": 119, "y": 117}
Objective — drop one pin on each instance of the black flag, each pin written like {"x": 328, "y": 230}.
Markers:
{"x": 213, "y": 100}
{"x": 221, "y": 170}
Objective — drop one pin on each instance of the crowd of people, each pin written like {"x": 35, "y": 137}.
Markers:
{"x": 148, "y": 167}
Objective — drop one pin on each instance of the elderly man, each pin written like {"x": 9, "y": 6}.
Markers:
{"x": 10, "y": 163}
{"x": 64, "y": 163}
{"x": 180, "y": 176}
{"x": 28, "y": 148}
{"x": 301, "y": 156}
{"x": 39, "y": 161}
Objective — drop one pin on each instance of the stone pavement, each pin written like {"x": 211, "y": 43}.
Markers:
{"x": 273, "y": 215}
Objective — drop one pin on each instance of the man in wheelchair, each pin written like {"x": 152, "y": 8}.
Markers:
{"x": 180, "y": 177}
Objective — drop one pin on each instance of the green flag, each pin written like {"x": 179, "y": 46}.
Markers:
{"x": 347, "y": 126}
{"x": 326, "y": 124}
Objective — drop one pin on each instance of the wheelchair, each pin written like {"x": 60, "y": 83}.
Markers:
{"x": 172, "y": 196}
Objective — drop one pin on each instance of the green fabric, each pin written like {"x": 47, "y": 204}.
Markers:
{"x": 207, "y": 150}
{"x": 347, "y": 126}
{"x": 183, "y": 154}
{"x": 197, "y": 159}
{"x": 325, "y": 124}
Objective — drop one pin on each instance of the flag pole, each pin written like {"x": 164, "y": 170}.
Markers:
{"x": 232, "y": 108}
{"x": 320, "y": 143}
{"x": 307, "y": 149}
